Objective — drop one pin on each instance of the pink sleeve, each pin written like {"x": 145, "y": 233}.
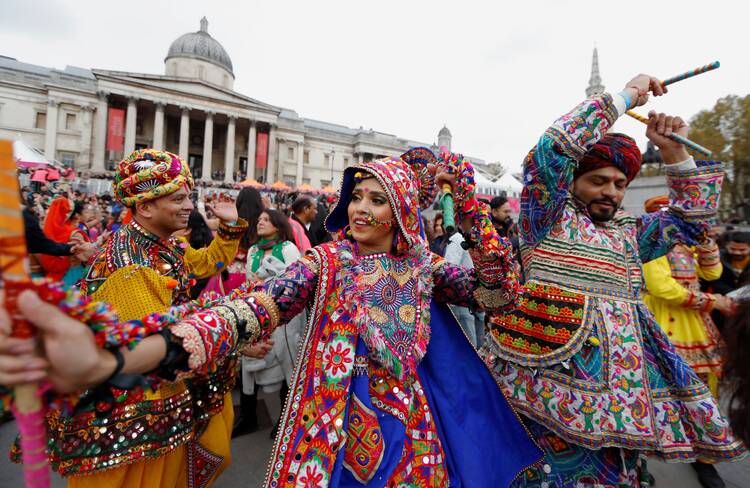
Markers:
{"x": 300, "y": 238}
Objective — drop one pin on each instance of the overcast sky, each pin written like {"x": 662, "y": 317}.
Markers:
{"x": 496, "y": 73}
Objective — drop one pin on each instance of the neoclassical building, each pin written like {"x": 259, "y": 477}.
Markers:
{"x": 89, "y": 118}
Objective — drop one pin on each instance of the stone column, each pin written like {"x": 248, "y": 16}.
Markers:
{"x": 130, "y": 119}
{"x": 300, "y": 162}
{"x": 360, "y": 158}
{"x": 50, "y": 134}
{"x": 229, "y": 151}
{"x": 251, "y": 137}
{"x": 86, "y": 130}
{"x": 208, "y": 146}
{"x": 158, "y": 142}
{"x": 100, "y": 132}
{"x": 271, "y": 158}
{"x": 184, "y": 148}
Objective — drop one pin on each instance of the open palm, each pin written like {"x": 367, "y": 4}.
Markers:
{"x": 225, "y": 211}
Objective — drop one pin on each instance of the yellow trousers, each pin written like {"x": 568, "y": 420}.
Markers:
{"x": 170, "y": 470}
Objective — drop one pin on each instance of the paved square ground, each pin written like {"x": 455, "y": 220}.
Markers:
{"x": 250, "y": 459}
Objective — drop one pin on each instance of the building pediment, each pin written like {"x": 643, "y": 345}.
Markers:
{"x": 181, "y": 88}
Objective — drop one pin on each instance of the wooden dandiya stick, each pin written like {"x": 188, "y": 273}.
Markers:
{"x": 14, "y": 269}
{"x": 691, "y": 73}
{"x": 682, "y": 140}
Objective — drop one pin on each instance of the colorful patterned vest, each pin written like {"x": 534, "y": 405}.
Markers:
{"x": 577, "y": 259}
{"x": 132, "y": 245}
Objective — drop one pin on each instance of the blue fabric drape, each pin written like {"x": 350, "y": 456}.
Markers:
{"x": 484, "y": 442}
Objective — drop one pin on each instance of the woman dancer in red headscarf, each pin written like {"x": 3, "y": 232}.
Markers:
{"x": 61, "y": 225}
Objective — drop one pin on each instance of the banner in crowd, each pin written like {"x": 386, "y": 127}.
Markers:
{"x": 116, "y": 129}
{"x": 261, "y": 151}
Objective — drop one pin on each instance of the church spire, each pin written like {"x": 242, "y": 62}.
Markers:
{"x": 595, "y": 82}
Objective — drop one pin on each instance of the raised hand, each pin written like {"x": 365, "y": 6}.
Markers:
{"x": 224, "y": 211}
{"x": 445, "y": 177}
{"x": 457, "y": 171}
{"x": 660, "y": 127}
{"x": 640, "y": 86}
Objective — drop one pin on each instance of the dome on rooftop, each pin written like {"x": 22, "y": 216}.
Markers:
{"x": 444, "y": 132}
{"x": 200, "y": 45}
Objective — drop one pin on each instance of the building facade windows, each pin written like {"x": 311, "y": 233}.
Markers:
{"x": 68, "y": 158}
{"x": 40, "y": 121}
{"x": 70, "y": 121}
{"x": 91, "y": 119}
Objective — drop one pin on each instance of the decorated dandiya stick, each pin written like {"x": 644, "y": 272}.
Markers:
{"x": 682, "y": 140}
{"x": 446, "y": 201}
{"x": 691, "y": 73}
{"x": 14, "y": 269}
{"x": 446, "y": 205}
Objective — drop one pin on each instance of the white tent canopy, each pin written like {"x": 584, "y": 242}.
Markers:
{"x": 506, "y": 184}
{"x": 27, "y": 156}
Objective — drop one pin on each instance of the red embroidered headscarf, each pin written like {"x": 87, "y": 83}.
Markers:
{"x": 613, "y": 149}
{"x": 57, "y": 225}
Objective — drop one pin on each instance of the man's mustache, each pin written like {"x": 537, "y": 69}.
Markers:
{"x": 605, "y": 200}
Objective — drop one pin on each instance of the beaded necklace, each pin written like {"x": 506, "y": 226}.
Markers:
{"x": 386, "y": 343}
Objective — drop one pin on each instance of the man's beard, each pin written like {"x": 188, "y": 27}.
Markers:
{"x": 602, "y": 215}
{"x": 504, "y": 224}
{"x": 505, "y": 221}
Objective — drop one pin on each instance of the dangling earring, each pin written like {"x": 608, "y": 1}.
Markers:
{"x": 348, "y": 232}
